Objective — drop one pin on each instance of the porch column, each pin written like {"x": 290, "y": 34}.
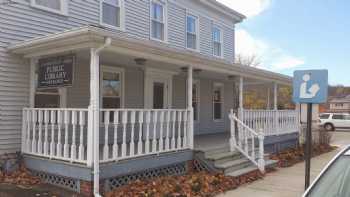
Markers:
{"x": 275, "y": 107}
{"x": 268, "y": 104}
{"x": 33, "y": 62}
{"x": 241, "y": 89}
{"x": 189, "y": 106}
{"x": 275, "y": 93}
{"x": 94, "y": 104}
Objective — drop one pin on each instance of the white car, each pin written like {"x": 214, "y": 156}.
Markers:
{"x": 334, "y": 180}
{"x": 332, "y": 121}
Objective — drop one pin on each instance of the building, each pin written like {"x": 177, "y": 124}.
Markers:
{"x": 126, "y": 89}
{"x": 340, "y": 104}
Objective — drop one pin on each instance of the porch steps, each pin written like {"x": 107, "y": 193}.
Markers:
{"x": 232, "y": 163}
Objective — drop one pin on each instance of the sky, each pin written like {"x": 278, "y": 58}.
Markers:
{"x": 288, "y": 35}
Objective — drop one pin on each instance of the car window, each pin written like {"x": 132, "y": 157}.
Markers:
{"x": 347, "y": 117}
{"x": 335, "y": 181}
{"x": 338, "y": 117}
{"x": 324, "y": 116}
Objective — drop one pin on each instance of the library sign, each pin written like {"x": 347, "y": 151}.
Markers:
{"x": 56, "y": 72}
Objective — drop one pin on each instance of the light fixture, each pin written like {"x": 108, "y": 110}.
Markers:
{"x": 140, "y": 61}
{"x": 231, "y": 77}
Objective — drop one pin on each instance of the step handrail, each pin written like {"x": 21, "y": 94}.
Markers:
{"x": 240, "y": 141}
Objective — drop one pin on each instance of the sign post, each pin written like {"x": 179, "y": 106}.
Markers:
{"x": 309, "y": 87}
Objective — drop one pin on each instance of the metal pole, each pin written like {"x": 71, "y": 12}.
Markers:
{"x": 308, "y": 145}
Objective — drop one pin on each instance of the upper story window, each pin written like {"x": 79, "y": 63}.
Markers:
{"x": 112, "y": 13}
{"x": 158, "y": 20}
{"x": 192, "y": 32}
{"x": 56, "y": 6}
{"x": 217, "y": 42}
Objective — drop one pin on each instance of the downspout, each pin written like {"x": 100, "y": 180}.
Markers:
{"x": 96, "y": 124}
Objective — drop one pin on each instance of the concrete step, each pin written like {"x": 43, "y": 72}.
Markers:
{"x": 222, "y": 155}
{"x": 242, "y": 171}
{"x": 216, "y": 150}
{"x": 234, "y": 165}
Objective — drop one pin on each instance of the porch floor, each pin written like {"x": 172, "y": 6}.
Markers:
{"x": 211, "y": 141}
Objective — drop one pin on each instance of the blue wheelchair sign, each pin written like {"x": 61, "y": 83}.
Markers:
{"x": 310, "y": 86}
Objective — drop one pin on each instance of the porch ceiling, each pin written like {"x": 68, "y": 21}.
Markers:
{"x": 93, "y": 37}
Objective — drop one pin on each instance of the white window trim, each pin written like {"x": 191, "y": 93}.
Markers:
{"x": 62, "y": 93}
{"x": 165, "y": 18}
{"x": 122, "y": 17}
{"x": 197, "y": 49}
{"x": 151, "y": 75}
{"x": 221, "y": 85}
{"x": 62, "y": 11}
{"x": 105, "y": 68}
{"x": 197, "y": 82}
{"x": 221, "y": 41}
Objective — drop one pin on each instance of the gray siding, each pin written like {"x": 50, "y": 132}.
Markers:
{"x": 19, "y": 22}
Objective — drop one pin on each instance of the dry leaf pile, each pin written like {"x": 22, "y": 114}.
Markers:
{"x": 292, "y": 156}
{"x": 19, "y": 177}
{"x": 191, "y": 185}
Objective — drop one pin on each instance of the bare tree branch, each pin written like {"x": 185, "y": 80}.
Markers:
{"x": 252, "y": 60}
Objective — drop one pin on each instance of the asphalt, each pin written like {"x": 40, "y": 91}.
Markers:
{"x": 289, "y": 182}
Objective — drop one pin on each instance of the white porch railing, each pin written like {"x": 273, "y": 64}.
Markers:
{"x": 129, "y": 133}
{"x": 55, "y": 133}
{"x": 62, "y": 134}
{"x": 247, "y": 141}
{"x": 271, "y": 122}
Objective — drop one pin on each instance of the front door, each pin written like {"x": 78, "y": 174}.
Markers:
{"x": 160, "y": 94}
{"x": 158, "y": 90}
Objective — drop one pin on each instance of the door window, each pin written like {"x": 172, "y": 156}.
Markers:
{"x": 158, "y": 95}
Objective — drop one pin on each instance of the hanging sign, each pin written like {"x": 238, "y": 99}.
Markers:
{"x": 56, "y": 72}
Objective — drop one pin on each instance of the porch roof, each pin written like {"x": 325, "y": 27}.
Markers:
{"x": 93, "y": 37}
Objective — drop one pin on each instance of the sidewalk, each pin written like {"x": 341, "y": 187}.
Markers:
{"x": 289, "y": 182}
{"x": 285, "y": 182}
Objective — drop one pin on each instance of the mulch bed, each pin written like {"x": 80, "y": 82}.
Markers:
{"x": 292, "y": 156}
{"x": 195, "y": 184}
{"x": 19, "y": 177}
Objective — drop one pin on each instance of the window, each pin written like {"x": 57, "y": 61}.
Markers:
{"x": 217, "y": 42}
{"x": 339, "y": 104}
{"x": 111, "y": 88}
{"x": 334, "y": 181}
{"x": 338, "y": 117}
{"x": 158, "y": 20}
{"x": 218, "y": 100}
{"x": 195, "y": 100}
{"x": 56, "y": 6}
{"x": 49, "y": 97}
{"x": 324, "y": 116}
{"x": 192, "y": 32}
{"x": 112, "y": 14}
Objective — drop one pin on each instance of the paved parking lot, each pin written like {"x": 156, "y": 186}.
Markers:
{"x": 289, "y": 182}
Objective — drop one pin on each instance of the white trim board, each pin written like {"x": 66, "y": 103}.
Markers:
{"x": 152, "y": 75}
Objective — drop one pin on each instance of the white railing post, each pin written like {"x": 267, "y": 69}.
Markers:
{"x": 261, "y": 161}
{"x": 40, "y": 121}
{"x": 233, "y": 141}
{"x": 81, "y": 137}
{"x": 106, "y": 124}
{"x": 115, "y": 136}
{"x": 73, "y": 150}
{"x": 52, "y": 142}
{"x": 24, "y": 131}
{"x": 124, "y": 123}
{"x": 132, "y": 142}
{"x": 139, "y": 143}
{"x": 34, "y": 117}
{"x": 190, "y": 131}
{"x": 66, "y": 127}
{"x": 46, "y": 140}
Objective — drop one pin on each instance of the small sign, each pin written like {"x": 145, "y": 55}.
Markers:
{"x": 310, "y": 86}
{"x": 56, "y": 71}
